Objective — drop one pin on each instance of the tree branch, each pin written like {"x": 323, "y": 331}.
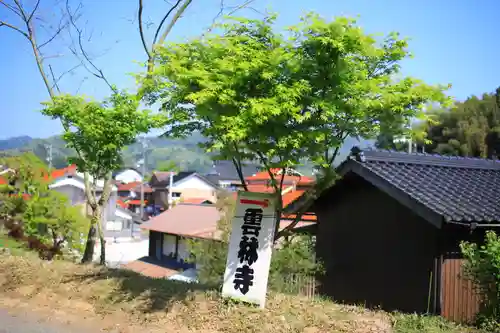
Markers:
{"x": 99, "y": 73}
{"x": 106, "y": 189}
{"x": 245, "y": 4}
{"x": 239, "y": 168}
{"x": 33, "y": 11}
{"x": 3, "y": 23}
{"x": 11, "y": 8}
{"x": 54, "y": 80}
{"x": 164, "y": 19}
{"x": 141, "y": 30}
{"x": 58, "y": 31}
{"x": 174, "y": 20}
{"x": 88, "y": 191}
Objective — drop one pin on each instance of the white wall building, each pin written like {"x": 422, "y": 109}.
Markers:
{"x": 128, "y": 175}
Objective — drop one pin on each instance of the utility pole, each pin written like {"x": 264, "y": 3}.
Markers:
{"x": 48, "y": 148}
{"x": 144, "y": 145}
{"x": 170, "y": 200}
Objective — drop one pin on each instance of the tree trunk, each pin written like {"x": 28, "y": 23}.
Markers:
{"x": 88, "y": 254}
{"x": 102, "y": 257}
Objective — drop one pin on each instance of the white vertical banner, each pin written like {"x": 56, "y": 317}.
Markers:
{"x": 250, "y": 248}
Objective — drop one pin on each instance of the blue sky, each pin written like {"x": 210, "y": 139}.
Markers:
{"x": 453, "y": 41}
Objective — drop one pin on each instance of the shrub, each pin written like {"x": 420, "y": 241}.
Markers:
{"x": 482, "y": 266}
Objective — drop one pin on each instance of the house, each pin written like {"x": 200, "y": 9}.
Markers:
{"x": 123, "y": 226}
{"x": 389, "y": 230}
{"x": 132, "y": 190}
{"x": 225, "y": 175}
{"x": 119, "y": 221}
{"x": 71, "y": 183}
{"x": 185, "y": 185}
{"x": 170, "y": 231}
{"x": 128, "y": 175}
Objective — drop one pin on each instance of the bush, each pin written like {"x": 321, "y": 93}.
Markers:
{"x": 482, "y": 266}
{"x": 41, "y": 218}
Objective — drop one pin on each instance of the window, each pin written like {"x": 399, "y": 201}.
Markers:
{"x": 176, "y": 194}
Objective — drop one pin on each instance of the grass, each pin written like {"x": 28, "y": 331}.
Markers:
{"x": 153, "y": 305}
{"x": 404, "y": 323}
{"x": 13, "y": 246}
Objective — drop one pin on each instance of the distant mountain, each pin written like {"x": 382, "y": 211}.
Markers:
{"x": 15, "y": 142}
{"x": 185, "y": 153}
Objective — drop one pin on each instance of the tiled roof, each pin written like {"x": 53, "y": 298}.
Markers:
{"x": 147, "y": 188}
{"x": 128, "y": 186}
{"x": 161, "y": 178}
{"x": 149, "y": 267}
{"x": 197, "y": 201}
{"x": 136, "y": 202}
{"x": 199, "y": 221}
{"x": 263, "y": 176}
{"x": 458, "y": 189}
{"x": 121, "y": 203}
{"x": 262, "y": 188}
{"x": 69, "y": 170}
{"x": 3, "y": 181}
{"x": 225, "y": 170}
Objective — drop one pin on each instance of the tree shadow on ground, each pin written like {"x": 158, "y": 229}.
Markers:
{"x": 144, "y": 293}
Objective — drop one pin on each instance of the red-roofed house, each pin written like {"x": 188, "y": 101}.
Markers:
{"x": 294, "y": 186}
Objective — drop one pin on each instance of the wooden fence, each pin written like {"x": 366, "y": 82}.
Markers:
{"x": 303, "y": 285}
{"x": 460, "y": 301}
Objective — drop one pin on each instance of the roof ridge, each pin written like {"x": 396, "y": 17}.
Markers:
{"x": 428, "y": 159}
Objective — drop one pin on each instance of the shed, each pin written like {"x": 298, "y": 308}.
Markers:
{"x": 389, "y": 230}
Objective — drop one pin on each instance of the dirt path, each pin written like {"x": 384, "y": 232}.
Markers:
{"x": 25, "y": 322}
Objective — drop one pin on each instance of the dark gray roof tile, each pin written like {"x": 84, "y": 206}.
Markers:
{"x": 460, "y": 189}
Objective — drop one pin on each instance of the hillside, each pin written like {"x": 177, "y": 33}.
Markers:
{"x": 15, "y": 142}
{"x": 185, "y": 152}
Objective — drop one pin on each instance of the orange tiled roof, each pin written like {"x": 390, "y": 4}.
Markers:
{"x": 291, "y": 196}
{"x": 71, "y": 170}
{"x": 3, "y": 181}
{"x": 147, "y": 188}
{"x": 128, "y": 186}
{"x": 122, "y": 204}
{"x": 264, "y": 175}
{"x": 136, "y": 202}
{"x": 305, "y": 217}
{"x": 262, "y": 188}
{"x": 195, "y": 200}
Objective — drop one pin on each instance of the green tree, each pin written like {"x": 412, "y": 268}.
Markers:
{"x": 168, "y": 166}
{"x": 259, "y": 95}
{"x": 482, "y": 266}
{"x": 98, "y": 132}
{"x": 32, "y": 209}
{"x": 210, "y": 256}
{"x": 470, "y": 128}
